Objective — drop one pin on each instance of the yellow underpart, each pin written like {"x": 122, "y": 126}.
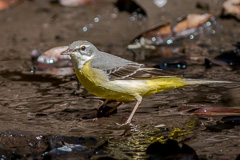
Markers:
{"x": 95, "y": 81}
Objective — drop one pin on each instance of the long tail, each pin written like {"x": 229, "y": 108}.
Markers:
{"x": 204, "y": 81}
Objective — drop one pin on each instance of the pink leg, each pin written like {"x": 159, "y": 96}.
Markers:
{"x": 139, "y": 100}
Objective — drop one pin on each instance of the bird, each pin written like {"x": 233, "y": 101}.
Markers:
{"x": 114, "y": 78}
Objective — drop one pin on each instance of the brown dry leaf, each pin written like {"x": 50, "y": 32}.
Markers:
{"x": 3, "y": 5}
{"x": 8, "y": 3}
{"x": 217, "y": 111}
{"x": 159, "y": 30}
{"x": 192, "y": 21}
{"x": 232, "y": 8}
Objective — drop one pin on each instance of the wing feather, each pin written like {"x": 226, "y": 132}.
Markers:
{"x": 117, "y": 68}
{"x": 136, "y": 71}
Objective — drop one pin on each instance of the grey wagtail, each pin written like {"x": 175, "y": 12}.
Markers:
{"x": 115, "y": 78}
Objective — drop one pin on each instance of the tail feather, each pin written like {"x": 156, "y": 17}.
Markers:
{"x": 204, "y": 81}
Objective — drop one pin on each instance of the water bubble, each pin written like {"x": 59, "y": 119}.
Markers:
{"x": 170, "y": 41}
{"x": 208, "y": 24}
{"x": 160, "y": 3}
{"x": 41, "y": 60}
{"x": 191, "y": 36}
{"x": 140, "y": 16}
{"x": 96, "y": 19}
{"x": 33, "y": 70}
{"x": 84, "y": 29}
{"x": 133, "y": 18}
{"x": 154, "y": 39}
{"x": 50, "y": 61}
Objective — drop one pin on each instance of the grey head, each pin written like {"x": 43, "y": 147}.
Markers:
{"x": 81, "y": 52}
{"x": 81, "y": 48}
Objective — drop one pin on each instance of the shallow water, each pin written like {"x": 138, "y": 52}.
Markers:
{"x": 33, "y": 105}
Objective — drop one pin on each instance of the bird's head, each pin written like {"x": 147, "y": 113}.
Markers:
{"x": 80, "y": 52}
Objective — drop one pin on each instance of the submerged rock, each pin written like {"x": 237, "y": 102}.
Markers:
{"x": 171, "y": 150}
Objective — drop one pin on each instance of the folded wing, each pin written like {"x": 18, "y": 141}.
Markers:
{"x": 135, "y": 71}
{"x": 117, "y": 68}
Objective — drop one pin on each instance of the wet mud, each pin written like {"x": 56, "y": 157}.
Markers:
{"x": 46, "y": 116}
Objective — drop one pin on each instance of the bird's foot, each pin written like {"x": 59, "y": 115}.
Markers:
{"x": 124, "y": 124}
{"x": 127, "y": 123}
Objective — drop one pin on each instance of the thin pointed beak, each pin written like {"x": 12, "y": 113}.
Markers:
{"x": 67, "y": 52}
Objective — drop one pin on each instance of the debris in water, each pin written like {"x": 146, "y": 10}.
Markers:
{"x": 190, "y": 24}
{"x": 212, "y": 112}
{"x": 65, "y": 148}
{"x": 165, "y": 33}
{"x": 51, "y": 62}
{"x": 170, "y": 150}
{"x": 172, "y": 62}
{"x": 226, "y": 59}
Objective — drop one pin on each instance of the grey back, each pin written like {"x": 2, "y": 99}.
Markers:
{"x": 107, "y": 61}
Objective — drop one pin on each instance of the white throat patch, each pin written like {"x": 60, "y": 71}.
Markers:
{"x": 80, "y": 60}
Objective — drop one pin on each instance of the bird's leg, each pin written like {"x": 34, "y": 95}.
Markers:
{"x": 103, "y": 104}
{"x": 110, "y": 111}
{"x": 103, "y": 110}
{"x": 139, "y": 100}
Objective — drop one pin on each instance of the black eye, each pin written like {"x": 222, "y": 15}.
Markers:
{"x": 83, "y": 48}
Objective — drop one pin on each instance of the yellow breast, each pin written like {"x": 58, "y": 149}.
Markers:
{"x": 96, "y": 82}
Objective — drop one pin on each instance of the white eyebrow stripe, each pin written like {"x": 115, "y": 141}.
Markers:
{"x": 84, "y": 45}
